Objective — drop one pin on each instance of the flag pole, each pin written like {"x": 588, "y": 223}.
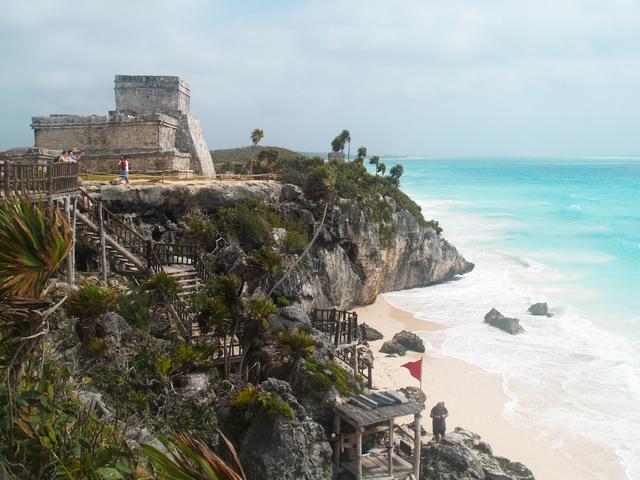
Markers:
{"x": 421, "y": 362}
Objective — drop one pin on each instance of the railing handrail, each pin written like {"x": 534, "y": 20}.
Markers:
{"x": 37, "y": 179}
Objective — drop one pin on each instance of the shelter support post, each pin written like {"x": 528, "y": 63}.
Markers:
{"x": 337, "y": 446}
{"x": 359, "y": 431}
{"x": 416, "y": 444}
{"x": 390, "y": 448}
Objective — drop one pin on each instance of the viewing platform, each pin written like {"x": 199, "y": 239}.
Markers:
{"x": 45, "y": 181}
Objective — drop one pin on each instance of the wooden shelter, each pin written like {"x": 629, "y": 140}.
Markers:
{"x": 368, "y": 414}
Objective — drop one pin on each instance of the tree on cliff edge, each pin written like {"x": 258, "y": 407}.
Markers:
{"x": 255, "y": 136}
{"x": 320, "y": 186}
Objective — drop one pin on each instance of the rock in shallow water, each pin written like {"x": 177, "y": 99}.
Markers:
{"x": 509, "y": 325}
{"x": 539, "y": 309}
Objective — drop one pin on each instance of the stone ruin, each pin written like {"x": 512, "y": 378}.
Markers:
{"x": 151, "y": 125}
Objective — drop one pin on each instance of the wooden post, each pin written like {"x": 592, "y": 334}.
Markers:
{"x": 337, "y": 444}
{"x": 416, "y": 444}
{"x": 69, "y": 262}
{"x": 74, "y": 217}
{"x": 355, "y": 360}
{"x": 359, "y": 453}
{"x": 50, "y": 177}
{"x": 7, "y": 189}
{"x": 103, "y": 243}
{"x": 390, "y": 448}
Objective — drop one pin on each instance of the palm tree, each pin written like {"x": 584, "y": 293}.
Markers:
{"x": 347, "y": 138}
{"x": 375, "y": 160}
{"x": 362, "y": 152}
{"x": 396, "y": 172}
{"x": 255, "y": 136}
{"x": 381, "y": 168}
{"x": 34, "y": 240}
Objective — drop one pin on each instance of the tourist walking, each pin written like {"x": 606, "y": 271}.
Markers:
{"x": 438, "y": 414}
{"x": 124, "y": 169}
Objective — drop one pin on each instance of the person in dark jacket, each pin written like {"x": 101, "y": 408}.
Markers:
{"x": 438, "y": 414}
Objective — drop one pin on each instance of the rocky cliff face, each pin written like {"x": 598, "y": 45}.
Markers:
{"x": 353, "y": 260}
{"x": 352, "y": 263}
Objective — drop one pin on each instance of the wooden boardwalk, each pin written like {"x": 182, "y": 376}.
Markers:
{"x": 38, "y": 181}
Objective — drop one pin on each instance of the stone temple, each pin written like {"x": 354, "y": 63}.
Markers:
{"x": 151, "y": 125}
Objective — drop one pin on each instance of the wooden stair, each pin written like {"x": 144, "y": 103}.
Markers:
{"x": 121, "y": 259}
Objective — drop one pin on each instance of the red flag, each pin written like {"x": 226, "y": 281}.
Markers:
{"x": 415, "y": 369}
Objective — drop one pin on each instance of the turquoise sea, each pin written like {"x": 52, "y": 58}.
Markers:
{"x": 561, "y": 230}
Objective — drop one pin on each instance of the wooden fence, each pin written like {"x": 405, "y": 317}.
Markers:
{"x": 340, "y": 325}
{"x": 37, "y": 180}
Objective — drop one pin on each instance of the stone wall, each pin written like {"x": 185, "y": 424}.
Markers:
{"x": 147, "y": 93}
{"x": 189, "y": 138}
{"x": 30, "y": 155}
{"x": 99, "y": 132}
{"x": 152, "y": 161}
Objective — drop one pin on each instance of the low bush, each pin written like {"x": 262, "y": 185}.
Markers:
{"x": 91, "y": 301}
{"x": 325, "y": 375}
{"x": 254, "y": 400}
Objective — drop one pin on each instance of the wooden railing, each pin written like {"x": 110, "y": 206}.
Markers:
{"x": 37, "y": 180}
{"x": 363, "y": 364}
{"x": 340, "y": 325}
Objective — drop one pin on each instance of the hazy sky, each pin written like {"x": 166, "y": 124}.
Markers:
{"x": 448, "y": 77}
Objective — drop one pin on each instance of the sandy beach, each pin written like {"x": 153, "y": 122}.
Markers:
{"x": 475, "y": 399}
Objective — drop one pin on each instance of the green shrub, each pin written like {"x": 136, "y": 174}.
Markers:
{"x": 134, "y": 308}
{"x": 91, "y": 301}
{"x": 203, "y": 228}
{"x": 435, "y": 225}
{"x": 161, "y": 287}
{"x": 46, "y": 432}
{"x": 295, "y": 345}
{"x": 246, "y": 221}
{"x": 260, "y": 309}
{"x": 296, "y": 241}
{"x": 325, "y": 375}
{"x": 254, "y": 400}
{"x": 266, "y": 260}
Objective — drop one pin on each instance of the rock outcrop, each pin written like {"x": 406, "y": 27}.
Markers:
{"x": 354, "y": 258}
{"x": 392, "y": 347}
{"x": 462, "y": 455}
{"x": 409, "y": 340}
{"x": 540, "y": 309}
{"x": 286, "y": 449}
{"x": 509, "y": 325}
{"x": 370, "y": 334}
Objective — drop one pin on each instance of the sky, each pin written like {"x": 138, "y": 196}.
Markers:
{"x": 423, "y": 77}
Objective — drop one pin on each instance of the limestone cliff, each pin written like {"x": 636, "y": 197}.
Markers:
{"x": 353, "y": 260}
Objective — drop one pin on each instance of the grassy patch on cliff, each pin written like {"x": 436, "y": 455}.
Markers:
{"x": 354, "y": 182}
{"x": 238, "y": 158}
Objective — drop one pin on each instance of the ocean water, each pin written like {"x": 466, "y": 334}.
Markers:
{"x": 564, "y": 231}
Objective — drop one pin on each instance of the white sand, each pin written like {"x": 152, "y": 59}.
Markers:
{"x": 475, "y": 399}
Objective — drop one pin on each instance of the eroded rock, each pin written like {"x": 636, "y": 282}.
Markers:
{"x": 409, "y": 340}
{"x": 509, "y": 325}
{"x": 462, "y": 455}
{"x": 370, "y": 334}
{"x": 392, "y": 347}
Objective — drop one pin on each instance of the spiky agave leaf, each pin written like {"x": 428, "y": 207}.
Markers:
{"x": 34, "y": 240}
{"x": 191, "y": 459}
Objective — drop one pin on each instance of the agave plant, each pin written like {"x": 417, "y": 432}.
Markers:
{"x": 161, "y": 287}
{"x": 295, "y": 345}
{"x": 34, "y": 240}
{"x": 189, "y": 458}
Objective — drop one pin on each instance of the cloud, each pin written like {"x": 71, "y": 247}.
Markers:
{"x": 444, "y": 78}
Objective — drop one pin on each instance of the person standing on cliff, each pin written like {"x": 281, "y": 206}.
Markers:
{"x": 438, "y": 414}
{"x": 124, "y": 169}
